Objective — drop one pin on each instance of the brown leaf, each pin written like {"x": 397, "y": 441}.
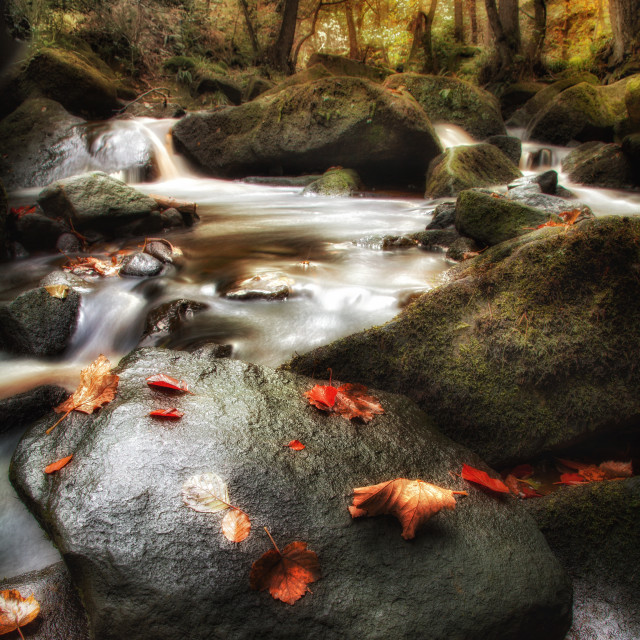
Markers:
{"x": 171, "y": 414}
{"x": 413, "y": 502}
{"x": 285, "y": 574}
{"x": 471, "y": 474}
{"x": 613, "y": 469}
{"x": 236, "y": 525}
{"x": 92, "y": 266}
{"x": 60, "y": 291}
{"x": 55, "y": 466}
{"x": 97, "y": 387}
{"x": 16, "y": 611}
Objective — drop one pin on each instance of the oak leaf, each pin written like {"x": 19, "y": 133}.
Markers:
{"x": 471, "y": 474}
{"x": 163, "y": 381}
{"x": 97, "y": 387}
{"x": 55, "y": 466}
{"x": 236, "y": 525}
{"x": 413, "y": 502}
{"x": 287, "y": 573}
{"x": 171, "y": 414}
{"x": 16, "y": 611}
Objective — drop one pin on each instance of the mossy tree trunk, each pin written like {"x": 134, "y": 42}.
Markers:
{"x": 625, "y": 24}
{"x": 502, "y": 44}
{"x": 458, "y": 30}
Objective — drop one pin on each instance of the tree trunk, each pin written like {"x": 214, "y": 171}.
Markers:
{"x": 501, "y": 44}
{"x": 280, "y": 55}
{"x": 509, "y": 14}
{"x": 566, "y": 25}
{"x": 473, "y": 20}
{"x": 430, "y": 64}
{"x": 312, "y": 32}
{"x": 625, "y": 24}
{"x": 354, "y": 50}
{"x": 417, "y": 29}
{"x": 458, "y": 28}
{"x": 252, "y": 33}
{"x": 539, "y": 31}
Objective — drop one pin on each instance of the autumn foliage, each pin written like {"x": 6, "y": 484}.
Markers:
{"x": 56, "y": 466}
{"x": 349, "y": 401}
{"x": 165, "y": 382}
{"x": 16, "y": 611}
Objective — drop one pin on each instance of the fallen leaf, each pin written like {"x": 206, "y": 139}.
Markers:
{"x": 592, "y": 473}
{"x": 323, "y": 397}
{"x": 413, "y": 502}
{"x": 206, "y": 492}
{"x": 570, "y": 217}
{"x": 54, "y": 466}
{"x": 16, "y": 611}
{"x": 22, "y": 211}
{"x": 167, "y": 413}
{"x": 349, "y": 401}
{"x": 520, "y": 488}
{"x": 91, "y": 266}
{"x": 613, "y": 469}
{"x": 571, "y": 478}
{"x": 164, "y": 381}
{"x": 97, "y": 387}
{"x": 287, "y": 573}
{"x": 296, "y": 445}
{"x": 482, "y": 478}
{"x": 236, "y": 525}
{"x": 550, "y": 223}
{"x": 60, "y": 291}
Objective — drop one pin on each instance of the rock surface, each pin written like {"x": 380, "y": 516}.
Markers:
{"x": 25, "y": 408}
{"x": 140, "y": 265}
{"x": 334, "y": 183}
{"x": 509, "y": 145}
{"x": 167, "y": 319}
{"x": 178, "y": 572}
{"x": 342, "y": 66}
{"x": 524, "y": 351}
{"x": 467, "y": 167}
{"x": 350, "y": 122}
{"x": 265, "y": 286}
{"x": 600, "y": 165}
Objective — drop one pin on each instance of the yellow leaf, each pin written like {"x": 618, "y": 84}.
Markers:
{"x": 58, "y": 291}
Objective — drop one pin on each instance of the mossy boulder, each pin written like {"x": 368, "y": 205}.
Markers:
{"x": 69, "y": 79}
{"x": 454, "y": 101}
{"x": 335, "y": 182}
{"x": 213, "y": 83}
{"x": 310, "y": 74}
{"x": 384, "y": 136}
{"x": 600, "y": 165}
{"x": 509, "y": 145}
{"x": 256, "y": 86}
{"x": 490, "y": 220}
{"x": 517, "y": 95}
{"x": 523, "y": 116}
{"x": 526, "y": 349}
{"x": 632, "y": 99}
{"x": 179, "y": 63}
{"x": 583, "y": 112}
{"x": 341, "y": 66}
{"x": 466, "y": 167}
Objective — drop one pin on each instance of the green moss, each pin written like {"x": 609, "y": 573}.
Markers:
{"x": 179, "y": 63}
{"x": 335, "y": 182}
{"x": 632, "y": 98}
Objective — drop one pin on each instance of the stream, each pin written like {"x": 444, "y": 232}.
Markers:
{"x": 330, "y": 248}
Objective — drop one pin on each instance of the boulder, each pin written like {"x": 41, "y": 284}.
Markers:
{"x": 24, "y": 408}
{"x": 267, "y": 286}
{"x": 335, "y": 182}
{"x": 600, "y": 165}
{"x": 178, "y": 572}
{"x": 490, "y": 220}
{"x": 341, "y": 66}
{"x": 350, "y": 122}
{"x": 444, "y": 215}
{"x": 454, "y": 101}
{"x": 96, "y": 201}
{"x": 4, "y": 212}
{"x": 62, "y": 616}
{"x": 516, "y": 95}
{"x": 167, "y": 319}
{"x": 457, "y": 247}
{"x": 532, "y": 196}
{"x": 466, "y": 167}
{"x": 632, "y": 99}
{"x": 255, "y": 87}
{"x": 213, "y": 83}
{"x": 509, "y": 145}
{"x": 525, "y": 350}
{"x": 310, "y": 74}
{"x": 38, "y": 324}
{"x": 583, "y": 112}
{"x": 523, "y": 116}
{"x": 141, "y": 265}
{"x": 37, "y": 232}
{"x": 68, "y": 243}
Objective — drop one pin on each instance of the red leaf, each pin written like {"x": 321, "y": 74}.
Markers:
{"x": 349, "y": 401}
{"x": 164, "y": 381}
{"x": 529, "y": 492}
{"x": 482, "y": 478}
{"x": 22, "y": 211}
{"x": 571, "y": 478}
{"x": 54, "y": 466}
{"x": 296, "y": 445}
{"x": 323, "y": 397}
{"x": 167, "y": 413}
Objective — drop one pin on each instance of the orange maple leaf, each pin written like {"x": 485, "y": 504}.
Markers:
{"x": 413, "y": 502}
{"x": 97, "y": 387}
{"x": 285, "y": 573}
{"x": 16, "y": 611}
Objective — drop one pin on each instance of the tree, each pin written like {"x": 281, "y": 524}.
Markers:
{"x": 280, "y": 52}
{"x": 507, "y": 42}
{"x": 421, "y": 27}
{"x": 625, "y": 24}
{"x": 539, "y": 32}
{"x": 473, "y": 20}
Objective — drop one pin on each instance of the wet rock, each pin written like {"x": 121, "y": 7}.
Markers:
{"x": 267, "y": 286}
{"x": 349, "y": 122}
{"x": 512, "y": 357}
{"x": 38, "y": 324}
{"x": 599, "y": 165}
{"x": 213, "y": 83}
{"x": 436, "y": 239}
{"x": 509, "y": 145}
{"x": 336, "y": 182}
{"x": 255, "y": 87}
{"x": 451, "y": 100}
{"x": 62, "y": 616}
{"x": 283, "y": 181}
{"x": 37, "y": 232}
{"x": 531, "y": 196}
{"x": 343, "y": 66}
{"x": 548, "y": 181}
{"x": 68, "y": 243}
{"x": 162, "y": 251}
{"x": 211, "y": 350}
{"x": 140, "y": 265}
{"x": 593, "y": 529}
{"x": 4, "y": 211}
{"x": 466, "y": 167}
{"x": 398, "y": 242}
{"x": 23, "y": 409}
{"x": 181, "y": 573}
{"x": 490, "y": 220}
{"x": 167, "y": 319}
{"x": 173, "y": 218}
{"x": 462, "y": 249}
{"x": 96, "y": 201}
{"x": 443, "y": 216}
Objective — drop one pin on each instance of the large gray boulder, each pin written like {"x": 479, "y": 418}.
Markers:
{"x": 451, "y": 100}
{"x": 149, "y": 568}
{"x": 384, "y": 136}
{"x": 96, "y": 201}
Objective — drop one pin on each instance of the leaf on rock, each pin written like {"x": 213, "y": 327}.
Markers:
{"x": 571, "y": 478}
{"x": 60, "y": 291}
{"x": 55, "y": 466}
{"x": 296, "y": 445}
{"x": 236, "y": 525}
{"x": 16, "y": 611}
{"x": 163, "y": 381}
{"x": 482, "y": 478}
{"x": 170, "y": 414}
{"x": 206, "y": 492}
{"x": 413, "y": 502}
{"x": 24, "y": 210}
{"x": 97, "y": 387}
{"x": 92, "y": 266}
{"x": 322, "y": 396}
{"x": 349, "y": 401}
{"x": 520, "y": 488}
{"x": 285, "y": 574}
{"x": 613, "y": 469}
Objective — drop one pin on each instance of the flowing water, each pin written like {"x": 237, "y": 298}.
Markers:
{"x": 330, "y": 249}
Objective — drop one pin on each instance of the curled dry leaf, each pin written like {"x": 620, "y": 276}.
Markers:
{"x": 92, "y": 266}
{"x": 296, "y": 445}
{"x": 97, "y": 387}
{"x": 163, "y": 381}
{"x": 285, "y": 574}
{"x": 55, "y": 466}
{"x": 471, "y": 474}
{"x": 413, "y": 502}
{"x": 16, "y": 611}
{"x": 236, "y": 525}
{"x": 60, "y": 291}
{"x": 169, "y": 414}
{"x": 349, "y": 401}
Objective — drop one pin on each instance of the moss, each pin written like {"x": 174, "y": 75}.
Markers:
{"x": 335, "y": 182}
{"x": 179, "y": 63}
{"x": 632, "y": 98}
{"x": 547, "y": 354}
{"x": 341, "y": 66}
